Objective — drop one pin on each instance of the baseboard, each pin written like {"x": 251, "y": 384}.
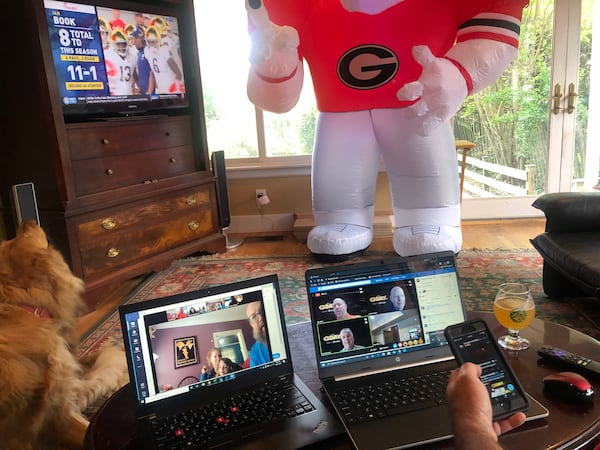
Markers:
{"x": 383, "y": 225}
{"x": 299, "y": 224}
{"x": 265, "y": 223}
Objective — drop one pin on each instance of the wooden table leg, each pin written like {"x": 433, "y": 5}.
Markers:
{"x": 465, "y": 146}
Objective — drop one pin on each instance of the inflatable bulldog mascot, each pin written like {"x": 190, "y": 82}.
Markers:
{"x": 388, "y": 76}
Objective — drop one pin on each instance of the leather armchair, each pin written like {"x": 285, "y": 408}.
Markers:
{"x": 570, "y": 245}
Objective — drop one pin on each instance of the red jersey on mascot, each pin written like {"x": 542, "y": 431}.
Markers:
{"x": 388, "y": 76}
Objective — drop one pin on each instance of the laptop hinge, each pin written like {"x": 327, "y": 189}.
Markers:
{"x": 389, "y": 369}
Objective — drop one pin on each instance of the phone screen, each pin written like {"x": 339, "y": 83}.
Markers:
{"x": 477, "y": 345}
{"x": 25, "y": 203}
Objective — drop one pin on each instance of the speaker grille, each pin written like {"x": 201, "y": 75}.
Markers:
{"x": 219, "y": 170}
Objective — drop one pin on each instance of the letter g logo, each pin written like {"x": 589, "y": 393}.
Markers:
{"x": 367, "y": 66}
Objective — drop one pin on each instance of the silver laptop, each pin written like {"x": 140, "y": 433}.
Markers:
{"x": 378, "y": 328}
{"x": 182, "y": 403}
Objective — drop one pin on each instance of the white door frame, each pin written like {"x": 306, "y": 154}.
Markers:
{"x": 561, "y": 126}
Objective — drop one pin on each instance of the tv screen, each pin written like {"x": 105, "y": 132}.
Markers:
{"x": 115, "y": 62}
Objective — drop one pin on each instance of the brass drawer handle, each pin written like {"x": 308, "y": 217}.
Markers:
{"x": 113, "y": 252}
{"x": 193, "y": 225}
{"x": 172, "y": 160}
{"x": 153, "y": 180}
{"x": 191, "y": 201}
{"x": 109, "y": 172}
{"x": 109, "y": 224}
{"x": 105, "y": 141}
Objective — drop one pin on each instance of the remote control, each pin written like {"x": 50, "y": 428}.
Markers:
{"x": 576, "y": 363}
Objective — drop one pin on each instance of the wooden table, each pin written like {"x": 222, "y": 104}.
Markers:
{"x": 569, "y": 426}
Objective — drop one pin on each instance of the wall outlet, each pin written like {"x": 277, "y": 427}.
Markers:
{"x": 261, "y": 198}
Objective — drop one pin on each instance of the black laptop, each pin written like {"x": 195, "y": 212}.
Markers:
{"x": 378, "y": 329}
{"x": 253, "y": 400}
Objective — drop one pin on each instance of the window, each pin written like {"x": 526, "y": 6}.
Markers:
{"x": 515, "y": 108}
{"x": 249, "y": 136}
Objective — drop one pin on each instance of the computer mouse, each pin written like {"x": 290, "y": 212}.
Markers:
{"x": 569, "y": 386}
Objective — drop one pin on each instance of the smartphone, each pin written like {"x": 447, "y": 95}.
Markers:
{"x": 25, "y": 203}
{"x": 473, "y": 341}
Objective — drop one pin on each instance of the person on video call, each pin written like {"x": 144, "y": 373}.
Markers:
{"x": 226, "y": 366}
{"x": 397, "y": 299}
{"x": 213, "y": 357}
{"x": 259, "y": 352}
{"x": 340, "y": 309}
{"x": 470, "y": 411}
{"x": 347, "y": 337}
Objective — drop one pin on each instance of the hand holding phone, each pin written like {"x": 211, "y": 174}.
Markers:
{"x": 473, "y": 341}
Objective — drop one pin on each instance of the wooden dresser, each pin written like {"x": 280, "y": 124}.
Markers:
{"x": 119, "y": 198}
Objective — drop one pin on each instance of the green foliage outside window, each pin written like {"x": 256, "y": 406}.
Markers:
{"x": 508, "y": 121}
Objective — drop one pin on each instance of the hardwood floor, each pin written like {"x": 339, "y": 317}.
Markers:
{"x": 509, "y": 234}
{"x": 480, "y": 234}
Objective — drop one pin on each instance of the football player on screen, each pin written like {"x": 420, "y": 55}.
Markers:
{"x": 167, "y": 39}
{"x": 167, "y": 74}
{"x": 129, "y": 28}
{"x": 144, "y": 78}
{"x": 104, "y": 29}
{"x": 120, "y": 65}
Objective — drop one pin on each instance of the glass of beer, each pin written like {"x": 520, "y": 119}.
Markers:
{"x": 514, "y": 309}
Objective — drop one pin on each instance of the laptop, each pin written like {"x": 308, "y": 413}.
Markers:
{"x": 379, "y": 322}
{"x": 168, "y": 341}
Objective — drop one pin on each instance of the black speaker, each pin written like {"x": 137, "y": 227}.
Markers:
{"x": 218, "y": 168}
{"x": 24, "y": 203}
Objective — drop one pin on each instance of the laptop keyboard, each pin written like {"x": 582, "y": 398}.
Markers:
{"x": 390, "y": 397}
{"x": 200, "y": 427}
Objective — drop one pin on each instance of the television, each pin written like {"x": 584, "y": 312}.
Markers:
{"x": 113, "y": 62}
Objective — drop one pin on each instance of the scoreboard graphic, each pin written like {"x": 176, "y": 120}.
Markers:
{"x": 77, "y": 50}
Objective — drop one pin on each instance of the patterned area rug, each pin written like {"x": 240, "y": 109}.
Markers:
{"x": 481, "y": 272}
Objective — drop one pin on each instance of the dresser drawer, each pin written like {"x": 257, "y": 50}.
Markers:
{"x": 105, "y": 139}
{"x": 104, "y": 174}
{"x": 139, "y": 216}
{"x": 134, "y": 245}
{"x": 125, "y": 236}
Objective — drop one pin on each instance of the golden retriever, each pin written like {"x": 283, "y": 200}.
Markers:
{"x": 44, "y": 386}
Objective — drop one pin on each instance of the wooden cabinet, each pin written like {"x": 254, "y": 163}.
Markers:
{"x": 119, "y": 198}
{"x": 109, "y": 155}
{"x": 119, "y": 236}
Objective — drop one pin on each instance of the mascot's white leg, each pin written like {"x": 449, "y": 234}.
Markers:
{"x": 423, "y": 176}
{"x": 344, "y": 176}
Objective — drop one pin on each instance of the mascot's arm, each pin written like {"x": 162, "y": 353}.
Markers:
{"x": 276, "y": 72}
{"x": 482, "y": 52}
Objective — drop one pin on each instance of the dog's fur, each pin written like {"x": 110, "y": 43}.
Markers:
{"x": 44, "y": 386}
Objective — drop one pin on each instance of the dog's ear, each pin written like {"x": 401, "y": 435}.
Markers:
{"x": 33, "y": 233}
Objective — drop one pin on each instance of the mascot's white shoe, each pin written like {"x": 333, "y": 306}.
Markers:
{"x": 338, "y": 242}
{"x": 419, "y": 239}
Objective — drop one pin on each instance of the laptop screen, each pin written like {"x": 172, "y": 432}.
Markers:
{"x": 204, "y": 340}
{"x": 383, "y": 314}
